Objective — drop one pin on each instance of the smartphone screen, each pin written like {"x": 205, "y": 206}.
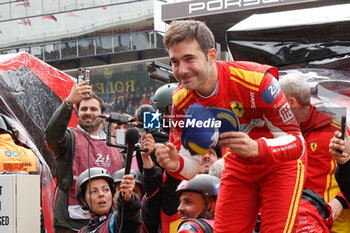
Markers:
{"x": 81, "y": 75}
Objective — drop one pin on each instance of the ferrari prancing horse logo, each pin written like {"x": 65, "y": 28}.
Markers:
{"x": 313, "y": 146}
{"x": 237, "y": 108}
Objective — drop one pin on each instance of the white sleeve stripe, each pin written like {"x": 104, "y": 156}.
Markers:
{"x": 191, "y": 164}
{"x": 281, "y": 138}
{"x": 280, "y": 141}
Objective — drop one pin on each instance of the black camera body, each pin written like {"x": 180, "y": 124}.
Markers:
{"x": 120, "y": 135}
{"x": 120, "y": 138}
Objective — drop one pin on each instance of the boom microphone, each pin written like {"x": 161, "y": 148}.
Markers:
{"x": 131, "y": 138}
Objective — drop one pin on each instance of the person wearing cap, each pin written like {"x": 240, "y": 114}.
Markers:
{"x": 318, "y": 128}
{"x": 95, "y": 191}
{"x": 342, "y": 172}
{"x": 197, "y": 199}
{"x": 265, "y": 166}
{"x": 118, "y": 178}
{"x": 70, "y": 148}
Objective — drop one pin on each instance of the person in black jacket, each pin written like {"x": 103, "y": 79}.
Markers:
{"x": 72, "y": 146}
{"x": 159, "y": 209}
{"x": 159, "y": 135}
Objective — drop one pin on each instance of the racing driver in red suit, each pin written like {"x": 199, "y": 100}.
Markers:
{"x": 264, "y": 170}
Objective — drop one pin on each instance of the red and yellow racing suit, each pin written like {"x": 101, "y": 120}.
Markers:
{"x": 318, "y": 129}
{"x": 274, "y": 180}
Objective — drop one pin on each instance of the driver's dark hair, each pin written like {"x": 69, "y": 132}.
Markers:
{"x": 181, "y": 30}
{"x": 93, "y": 95}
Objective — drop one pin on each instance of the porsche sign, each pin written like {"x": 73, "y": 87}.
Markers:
{"x": 190, "y": 9}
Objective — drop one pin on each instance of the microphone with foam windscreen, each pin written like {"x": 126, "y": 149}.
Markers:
{"x": 131, "y": 138}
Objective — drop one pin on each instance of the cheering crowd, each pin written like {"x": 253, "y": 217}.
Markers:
{"x": 271, "y": 166}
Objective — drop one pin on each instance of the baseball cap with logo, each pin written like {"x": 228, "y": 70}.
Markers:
{"x": 202, "y": 127}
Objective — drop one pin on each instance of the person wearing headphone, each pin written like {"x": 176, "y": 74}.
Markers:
{"x": 197, "y": 203}
{"x": 95, "y": 191}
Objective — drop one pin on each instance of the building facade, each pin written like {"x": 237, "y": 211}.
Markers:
{"x": 115, "y": 38}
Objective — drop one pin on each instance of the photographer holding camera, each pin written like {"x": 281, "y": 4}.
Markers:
{"x": 70, "y": 145}
{"x": 159, "y": 209}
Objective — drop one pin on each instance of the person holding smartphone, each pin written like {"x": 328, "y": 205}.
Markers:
{"x": 70, "y": 148}
{"x": 342, "y": 172}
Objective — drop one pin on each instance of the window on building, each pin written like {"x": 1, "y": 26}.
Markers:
{"x": 69, "y": 49}
{"x": 86, "y": 47}
{"x": 9, "y": 51}
{"x": 122, "y": 42}
{"x": 141, "y": 41}
{"x": 36, "y": 51}
{"x": 103, "y": 45}
{"x": 24, "y": 49}
{"x": 159, "y": 41}
{"x": 52, "y": 51}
